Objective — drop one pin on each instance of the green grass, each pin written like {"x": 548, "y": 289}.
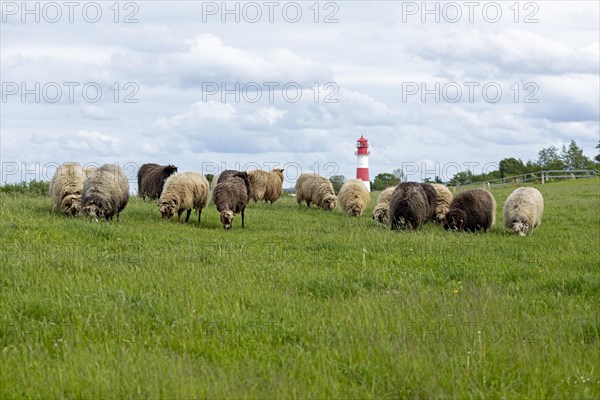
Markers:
{"x": 301, "y": 303}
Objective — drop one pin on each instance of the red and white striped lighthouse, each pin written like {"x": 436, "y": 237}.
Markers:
{"x": 362, "y": 159}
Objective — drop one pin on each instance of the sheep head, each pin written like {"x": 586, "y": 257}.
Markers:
{"x": 380, "y": 214}
{"x": 97, "y": 208}
{"x": 330, "y": 202}
{"x": 72, "y": 204}
{"x": 279, "y": 173}
{"x": 520, "y": 227}
{"x": 355, "y": 211}
{"x": 455, "y": 220}
{"x": 167, "y": 208}
{"x": 440, "y": 219}
{"x": 227, "y": 218}
{"x": 170, "y": 169}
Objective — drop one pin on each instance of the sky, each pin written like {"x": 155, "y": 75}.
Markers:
{"x": 436, "y": 87}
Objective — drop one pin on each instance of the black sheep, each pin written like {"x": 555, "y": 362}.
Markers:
{"x": 471, "y": 210}
{"x": 151, "y": 179}
{"x": 409, "y": 208}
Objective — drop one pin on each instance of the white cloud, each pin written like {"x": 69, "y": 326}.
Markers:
{"x": 169, "y": 54}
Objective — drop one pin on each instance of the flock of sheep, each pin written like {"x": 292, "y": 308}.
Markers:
{"x": 104, "y": 192}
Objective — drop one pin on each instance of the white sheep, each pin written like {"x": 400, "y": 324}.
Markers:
{"x": 66, "y": 188}
{"x": 314, "y": 188}
{"x": 184, "y": 191}
{"x": 444, "y": 199}
{"x": 523, "y": 210}
{"x": 105, "y": 192}
{"x": 354, "y": 197}
{"x": 381, "y": 211}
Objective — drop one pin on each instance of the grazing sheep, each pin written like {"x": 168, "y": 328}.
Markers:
{"x": 444, "y": 199}
{"x": 381, "y": 211}
{"x": 354, "y": 197}
{"x": 266, "y": 186}
{"x": 523, "y": 210}
{"x": 471, "y": 210}
{"x": 431, "y": 194}
{"x": 409, "y": 207}
{"x": 185, "y": 191}
{"x": 231, "y": 197}
{"x": 151, "y": 179}
{"x": 313, "y": 188}
{"x": 232, "y": 172}
{"x": 105, "y": 192}
{"x": 66, "y": 188}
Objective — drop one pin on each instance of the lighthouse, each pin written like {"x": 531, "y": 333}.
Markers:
{"x": 362, "y": 161}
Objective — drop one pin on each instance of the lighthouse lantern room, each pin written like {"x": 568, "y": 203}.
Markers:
{"x": 362, "y": 159}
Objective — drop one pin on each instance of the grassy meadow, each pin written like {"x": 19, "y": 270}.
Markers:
{"x": 301, "y": 303}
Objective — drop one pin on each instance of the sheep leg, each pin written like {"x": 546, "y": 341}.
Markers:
{"x": 119, "y": 216}
{"x": 243, "y": 216}
{"x": 187, "y": 216}
{"x": 179, "y": 212}
{"x": 199, "y": 215}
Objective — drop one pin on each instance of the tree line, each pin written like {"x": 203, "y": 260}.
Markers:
{"x": 567, "y": 158}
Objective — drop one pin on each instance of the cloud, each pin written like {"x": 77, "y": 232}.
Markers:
{"x": 95, "y": 112}
{"x": 169, "y": 54}
{"x": 512, "y": 52}
{"x": 207, "y": 59}
{"x": 79, "y": 145}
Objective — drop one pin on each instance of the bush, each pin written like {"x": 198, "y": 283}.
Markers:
{"x": 38, "y": 188}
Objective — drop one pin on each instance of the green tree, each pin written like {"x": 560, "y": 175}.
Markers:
{"x": 209, "y": 177}
{"x": 461, "y": 178}
{"x": 549, "y": 159}
{"x": 597, "y": 158}
{"x": 399, "y": 173}
{"x": 385, "y": 180}
{"x": 337, "y": 181}
{"x": 510, "y": 166}
{"x": 573, "y": 157}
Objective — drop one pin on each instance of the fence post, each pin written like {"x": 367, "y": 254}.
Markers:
{"x": 543, "y": 178}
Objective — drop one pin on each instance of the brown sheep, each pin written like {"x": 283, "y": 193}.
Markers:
{"x": 409, "y": 207}
{"x": 151, "y": 179}
{"x": 471, "y": 210}
{"x": 231, "y": 197}
{"x": 266, "y": 186}
{"x": 232, "y": 172}
{"x": 431, "y": 200}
